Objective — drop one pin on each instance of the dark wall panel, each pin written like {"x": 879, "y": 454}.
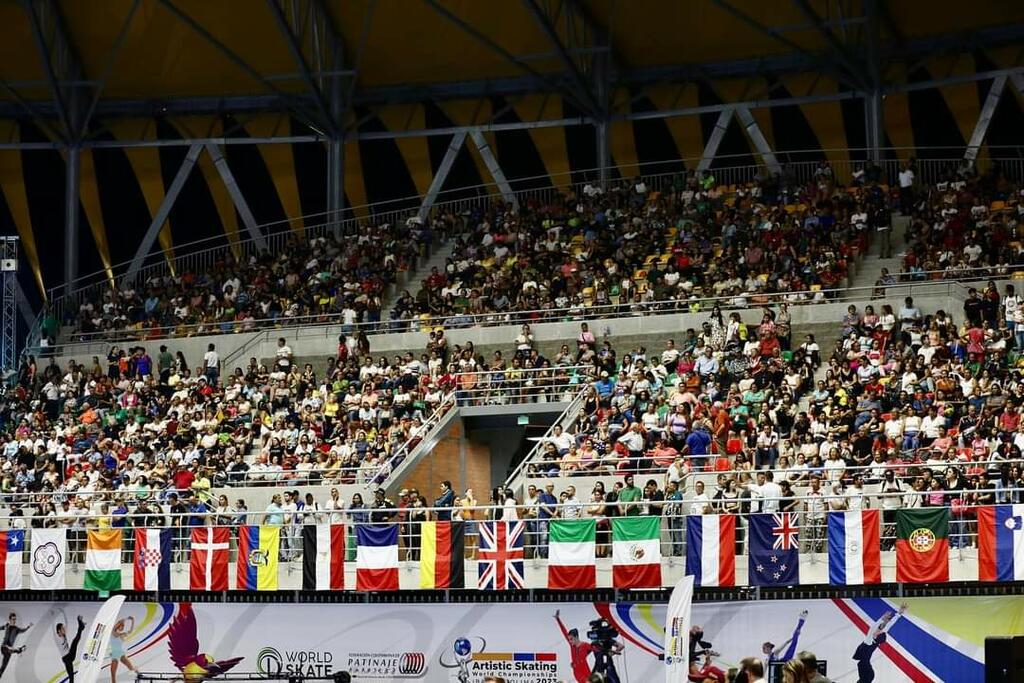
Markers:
{"x": 580, "y": 144}
{"x": 656, "y": 149}
{"x": 194, "y": 215}
{"x": 516, "y": 152}
{"x": 384, "y": 171}
{"x": 252, "y": 176}
{"x": 791, "y": 130}
{"x": 464, "y": 173}
{"x": 931, "y": 120}
{"x": 310, "y": 172}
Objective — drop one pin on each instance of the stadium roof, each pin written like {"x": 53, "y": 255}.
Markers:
{"x": 71, "y": 62}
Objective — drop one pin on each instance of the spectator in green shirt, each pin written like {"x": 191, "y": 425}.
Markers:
{"x": 628, "y": 497}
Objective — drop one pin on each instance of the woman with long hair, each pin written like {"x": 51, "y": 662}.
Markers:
{"x": 118, "y": 655}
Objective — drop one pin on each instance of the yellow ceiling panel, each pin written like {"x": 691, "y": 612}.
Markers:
{"x": 685, "y": 130}
{"x": 824, "y": 118}
{"x": 962, "y": 98}
{"x": 12, "y": 184}
{"x": 280, "y": 163}
{"x": 89, "y": 194}
{"x": 162, "y": 55}
{"x": 19, "y": 59}
{"x": 145, "y": 162}
{"x": 550, "y": 142}
{"x": 410, "y": 42}
{"x": 415, "y": 151}
{"x": 922, "y": 18}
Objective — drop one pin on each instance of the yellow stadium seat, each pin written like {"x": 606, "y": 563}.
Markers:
{"x": 815, "y": 288}
{"x": 790, "y": 208}
{"x": 663, "y": 259}
{"x": 650, "y": 259}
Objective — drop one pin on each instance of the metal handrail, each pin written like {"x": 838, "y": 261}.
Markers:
{"x": 608, "y": 311}
{"x": 565, "y": 420}
{"x": 409, "y": 205}
{"x": 798, "y": 170}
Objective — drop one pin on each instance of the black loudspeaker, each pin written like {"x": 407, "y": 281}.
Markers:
{"x": 1004, "y": 659}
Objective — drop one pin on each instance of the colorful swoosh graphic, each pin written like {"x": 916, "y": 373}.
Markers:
{"x": 158, "y": 617}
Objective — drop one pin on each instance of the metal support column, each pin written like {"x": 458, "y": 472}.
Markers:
{"x": 72, "y": 222}
{"x": 874, "y": 118}
{"x": 711, "y": 149}
{"x": 336, "y": 158}
{"x": 335, "y": 184}
{"x": 162, "y": 213}
{"x": 995, "y": 93}
{"x": 491, "y": 161}
{"x": 236, "y": 197}
{"x": 9, "y": 322}
{"x": 442, "y": 174}
{"x": 874, "y": 132}
{"x": 602, "y": 141}
{"x": 760, "y": 141}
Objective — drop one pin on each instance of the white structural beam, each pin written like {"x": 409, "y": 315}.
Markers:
{"x": 711, "y": 149}
{"x": 995, "y": 93}
{"x": 236, "y": 197}
{"x": 442, "y": 173}
{"x": 163, "y": 212}
{"x": 491, "y": 161}
{"x": 760, "y": 141}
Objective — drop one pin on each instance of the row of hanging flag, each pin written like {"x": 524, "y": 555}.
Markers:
{"x": 853, "y": 541}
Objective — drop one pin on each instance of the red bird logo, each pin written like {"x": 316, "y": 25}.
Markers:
{"x": 183, "y": 645}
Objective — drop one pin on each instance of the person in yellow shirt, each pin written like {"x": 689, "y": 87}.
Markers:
{"x": 468, "y": 512}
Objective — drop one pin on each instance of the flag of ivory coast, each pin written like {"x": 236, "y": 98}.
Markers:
{"x": 103, "y": 561}
{"x": 636, "y": 552}
{"x": 571, "y": 554}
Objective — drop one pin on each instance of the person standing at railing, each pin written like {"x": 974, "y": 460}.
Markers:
{"x": 417, "y": 516}
{"x": 211, "y": 364}
{"x": 815, "y": 509}
{"x": 546, "y": 511}
{"x": 444, "y": 502}
{"x": 290, "y": 527}
{"x": 531, "y": 508}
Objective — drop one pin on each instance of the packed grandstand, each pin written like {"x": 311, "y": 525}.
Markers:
{"x": 903, "y": 409}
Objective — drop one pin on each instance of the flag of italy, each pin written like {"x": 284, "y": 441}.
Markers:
{"x": 571, "y": 554}
{"x": 103, "y": 561}
{"x": 636, "y": 552}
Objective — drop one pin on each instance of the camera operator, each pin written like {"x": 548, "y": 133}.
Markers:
{"x": 578, "y": 650}
{"x": 603, "y": 645}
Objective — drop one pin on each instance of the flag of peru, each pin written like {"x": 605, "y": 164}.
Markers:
{"x": 854, "y": 547}
{"x": 710, "y": 545}
{"x": 1001, "y": 543}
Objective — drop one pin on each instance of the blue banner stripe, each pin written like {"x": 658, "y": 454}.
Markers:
{"x": 837, "y": 548}
{"x": 164, "y": 570}
{"x": 252, "y": 542}
{"x": 378, "y": 535}
{"x": 1004, "y": 543}
{"x": 694, "y": 543}
{"x": 936, "y": 656}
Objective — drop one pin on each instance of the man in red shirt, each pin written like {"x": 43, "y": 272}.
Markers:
{"x": 578, "y": 651}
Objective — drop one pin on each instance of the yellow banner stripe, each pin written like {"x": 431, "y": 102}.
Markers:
{"x": 428, "y": 555}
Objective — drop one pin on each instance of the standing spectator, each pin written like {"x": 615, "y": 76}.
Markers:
{"x": 906, "y": 180}
{"x": 211, "y": 364}
{"x": 546, "y": 511}
{"x": 572, "y": 508}
{"x": 357, "y": 515}
{"x": 444, "y": 502}
{"x": 814, "y": 516}
{"x": 676, "y": 520}
{"x": 628, "y": 498}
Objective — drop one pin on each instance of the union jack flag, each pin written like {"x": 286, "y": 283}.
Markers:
{"x": 500, "y": 556}
{"x": 786, "y": 531}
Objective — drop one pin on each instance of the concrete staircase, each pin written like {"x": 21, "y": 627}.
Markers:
{"x": 439, "y": 254}
{"x": 870, "y": 267}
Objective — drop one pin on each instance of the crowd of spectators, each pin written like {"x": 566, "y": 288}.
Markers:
{"x": 967, "y": 225}
{"x": 910, "y": 410}
{"x": 630, "y": 248}
{"x": 330, "y": 278}
{"x": 635, "y": 249}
